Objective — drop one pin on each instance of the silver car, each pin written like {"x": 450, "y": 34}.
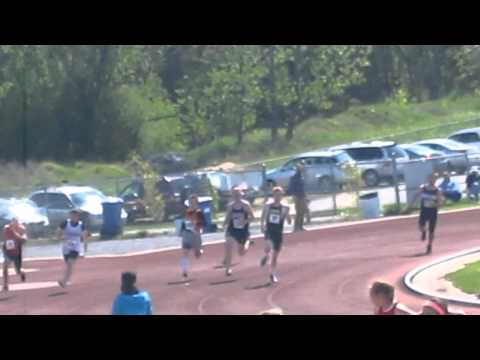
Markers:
{"x": 469, "y": 137}
{"x": 323, "y": 169}
{"x": 27, "y": 213}
{"x": 375, "y": 160}
{"x": 459, "y": 157}
{"x": 59, "y": 201}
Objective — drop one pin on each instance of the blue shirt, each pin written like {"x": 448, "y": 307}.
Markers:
{"x": 449, "y": 186}
{"x": 136, "y": 304}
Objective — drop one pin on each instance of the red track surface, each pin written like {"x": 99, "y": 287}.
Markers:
{"x": 325, "y": 271}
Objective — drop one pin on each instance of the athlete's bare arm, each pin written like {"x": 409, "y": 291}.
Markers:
{"x": 289, "y": 217}
{"x": 262, "y": 220}
{"x": 415, "y": 198}
{"x": 85, "y": 235}
{"x": 251, "y": 215}
{"x": 440, "y": 199}
{"x": 228, "y": 216}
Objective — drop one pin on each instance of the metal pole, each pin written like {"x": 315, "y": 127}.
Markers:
{"x": 395, "y": 182}
{"x": 333, "y": 190}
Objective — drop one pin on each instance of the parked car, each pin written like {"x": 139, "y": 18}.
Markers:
{"x": 175, "y": 190}
{"x": 27, "y": 213}
{"x": 458, "y": 154}
{"x": 59, "y": 201}
{"x": 420, "y": 152}
{"x": 467, "y": 136}
{"x": 375, "y": 160}
{"x": 323, "y": 169}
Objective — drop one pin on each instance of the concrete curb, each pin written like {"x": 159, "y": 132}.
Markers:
{"x": 410, "y": 276}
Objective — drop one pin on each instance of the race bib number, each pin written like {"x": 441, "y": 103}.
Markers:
{"x": 10, "y": 245}
{"x": 274, "y": 219}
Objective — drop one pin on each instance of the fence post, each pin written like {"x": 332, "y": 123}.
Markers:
{"x": 395, "y": 182}
{"x": 333, "y": 190}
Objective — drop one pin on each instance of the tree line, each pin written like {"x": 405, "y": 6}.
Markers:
{"x": 103, "y": 102}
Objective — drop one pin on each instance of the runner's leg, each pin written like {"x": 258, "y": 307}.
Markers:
{"x": 228, "y": 254}
{"x": 185, "y": 262}
{"x": 5, "y": 273}
{"x": 268, "y": 249}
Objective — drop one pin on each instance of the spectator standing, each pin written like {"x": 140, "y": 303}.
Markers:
{"x": 296, "y": 189}
{"x": 131, "y": 301}
{"x": 450, "y": 189}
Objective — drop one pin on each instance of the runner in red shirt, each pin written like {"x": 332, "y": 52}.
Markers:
{"x": 14, "y": 239}
{"x": 383, "y": 298}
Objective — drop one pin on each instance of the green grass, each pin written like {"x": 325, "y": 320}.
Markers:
{"x": 387, "y": 120}
{"x": 467, "y": 279}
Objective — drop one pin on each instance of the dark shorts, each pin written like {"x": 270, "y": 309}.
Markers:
{"x": 71, "y": 255}
{"x": 428, "y": 215}
{"x": 239, "y": 235}
{"x": 16, "y": 260}
{"x": 276, "y": 238}
{"x": 191, "y": 240}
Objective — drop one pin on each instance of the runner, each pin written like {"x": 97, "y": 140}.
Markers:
{"x": 431, "y": 199}
{"x": 75, "y": 237}
{"x": 191, "y": 233}
{"x": 15, "y": 238}
{"x": 382, "y": 296}
{"x": 273, "y": 218}
{"x": 237, "y": 220}
{"x": 439, "y": 307}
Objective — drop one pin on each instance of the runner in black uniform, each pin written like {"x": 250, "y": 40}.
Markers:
{"x": 430, "y": 200}
{"x": 239, "y": 214}
{"x": 273, "y": 219}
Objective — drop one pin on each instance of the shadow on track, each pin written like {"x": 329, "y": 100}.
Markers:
{"x": 7, "y": 298}
{"x": 217, "y": 267}
{"x": 181, "y": 282}
{"x": 257, "y": 287}
{"x": 60, "y": 293}
{"x": 222, "y": 282}
{"x": 414, "y": 255}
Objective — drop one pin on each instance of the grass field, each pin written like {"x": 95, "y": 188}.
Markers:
{"x": 399, "y": 121}
{"x": 467, "y": 279}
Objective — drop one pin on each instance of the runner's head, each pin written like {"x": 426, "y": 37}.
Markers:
{"x": 446, "y": 176}
{"x": 129, "y": 279}
{"x": 14, "y": 221}
{"x": 300, "y": 167}
{"x": 277, "y": 193}
{"x": 75, "y": 215}
{"x": 193, "y": 201}
{"x": 237, "y": 194}
{"x": 431, "y": 179}
{"x": 382, "y": 294}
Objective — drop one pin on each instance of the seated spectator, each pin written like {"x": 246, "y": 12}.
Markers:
{"x": 450, "y": 189}
{"x": 473, "y": 184}
{"x": 131, "y": 301}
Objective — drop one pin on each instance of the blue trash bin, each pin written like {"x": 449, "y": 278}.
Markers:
{"x": 112, "y": 218}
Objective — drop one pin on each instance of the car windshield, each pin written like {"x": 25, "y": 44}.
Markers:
{"x": 420, "y": 150}
{"x": 89, "y": 197}
{"x": 396, "y": 152}
{"x": 343, "y": 158}
{"x": 452, "y": 144}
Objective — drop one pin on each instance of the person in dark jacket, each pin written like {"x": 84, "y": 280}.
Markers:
{"x": 296, "y": 189}
{"x": 473, "y": 184}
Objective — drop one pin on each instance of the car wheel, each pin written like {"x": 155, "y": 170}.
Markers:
{"x": 371, "y": 178}
{"x": 325, "y": 184}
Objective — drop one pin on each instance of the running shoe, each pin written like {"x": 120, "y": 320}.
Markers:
{"x": 273, "y": 279}
{"x": 228, "y": 272}
{"x": 264, "y": 261}
{"x": 429, "y": 249}
{"x": 23, "y": 277}
{"x": 424, "y": 235}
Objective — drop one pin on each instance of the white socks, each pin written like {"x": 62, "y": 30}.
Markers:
{"x": 185, "y": 264}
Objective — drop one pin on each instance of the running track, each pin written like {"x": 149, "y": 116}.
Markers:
{"x": 324, "y": 271}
